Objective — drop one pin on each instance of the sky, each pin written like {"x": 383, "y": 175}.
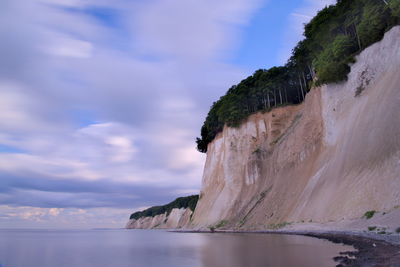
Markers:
{"x": 101, "y": 100}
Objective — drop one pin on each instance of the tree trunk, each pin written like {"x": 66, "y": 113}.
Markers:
{"x": 298, "y": 93}
{"x": 286, "y": 99}
{"x": 280, "y": 96}
{"x": 311, "y": 71}
{"x": 305, "y": 83}
{"x": 264, "y": 102}
{"x": 358, "y": 38}
{"x": 301, "y": 86}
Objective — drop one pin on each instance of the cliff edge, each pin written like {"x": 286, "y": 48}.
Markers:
{"x": 331, "y": 158}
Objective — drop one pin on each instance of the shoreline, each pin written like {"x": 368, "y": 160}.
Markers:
{"x": 371, "y": 249}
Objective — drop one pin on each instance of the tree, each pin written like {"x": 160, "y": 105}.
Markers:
{"x": 373, "y": 24}
{"x": 332, "y": 39}
{"x": 394, "y": 6}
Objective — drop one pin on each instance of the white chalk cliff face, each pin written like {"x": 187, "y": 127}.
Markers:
{"x": 178, "y": 218}
{"x": 333, "y": 157}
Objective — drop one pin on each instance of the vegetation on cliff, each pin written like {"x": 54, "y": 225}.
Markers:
{"x": 332, "y": 39}
{"x": 181, "y": 202}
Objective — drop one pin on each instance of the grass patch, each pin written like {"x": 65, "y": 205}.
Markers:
{"x": 371, "y": 228}
{"x": 276, "y": 226}
{"x": 382, "y": 232}
{"x": 398, "y": 230}
{"x": 221, "y": 224}
{"x": 369, "y": 214}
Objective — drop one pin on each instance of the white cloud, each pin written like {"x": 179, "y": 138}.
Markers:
{"x": 33, "y": 217}
{"x": 20, "y": 109}
{"x": 189, "y": 30}
{"x": 67, "y": 3}
{"x": 123, "y": 149}
{"x": 69, "y": 47}
{"x": 185, "y": 157}
{"x": 55, "y": 211}
{"x": 145, "y": 83}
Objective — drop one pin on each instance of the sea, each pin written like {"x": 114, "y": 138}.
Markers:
{"x": 147, "y": 248}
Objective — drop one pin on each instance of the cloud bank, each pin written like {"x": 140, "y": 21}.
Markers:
{"x": 100, "y": 103}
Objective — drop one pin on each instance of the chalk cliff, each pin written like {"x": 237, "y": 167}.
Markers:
{"x": 333, "y": 157}
{"x": 329, "y": 159}
{"x": 175, "y": 214}
{"x": 178, "y": 218}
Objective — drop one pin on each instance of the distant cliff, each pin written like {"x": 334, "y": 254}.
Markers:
{"x": 175, "y": 214}
{"x": 333, "y": 157}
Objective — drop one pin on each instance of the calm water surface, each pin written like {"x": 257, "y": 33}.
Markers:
{"x": 141, "y": 248}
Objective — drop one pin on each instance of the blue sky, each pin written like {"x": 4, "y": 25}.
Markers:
{"x": 101, "y": 101}
{"x": 262, "y": 39}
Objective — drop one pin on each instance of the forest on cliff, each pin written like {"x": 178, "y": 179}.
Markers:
{"x": 179, "y": 203}
{"x": 331, "y": 41}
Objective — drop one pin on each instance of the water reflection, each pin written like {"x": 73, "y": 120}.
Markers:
{"x": 141, "y": 248}
{"x": 267, "y": 250}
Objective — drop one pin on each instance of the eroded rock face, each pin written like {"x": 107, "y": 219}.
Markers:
{"x": 178, "y": 218}
{"x": 334, "y": 156}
